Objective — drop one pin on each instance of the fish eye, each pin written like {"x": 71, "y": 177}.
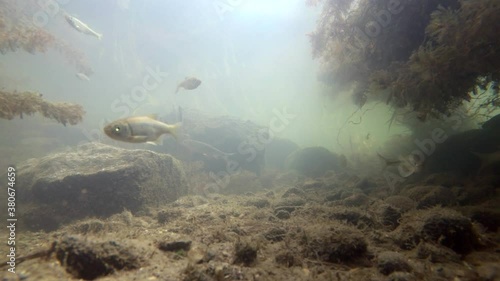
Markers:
{"x": 117, "y": 129}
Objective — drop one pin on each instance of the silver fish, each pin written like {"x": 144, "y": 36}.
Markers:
{"x": 190, "y": 83}
{"x": 82, "y": 76}
{"x": 140, "y": 129}
{"x": 82, "y": 27}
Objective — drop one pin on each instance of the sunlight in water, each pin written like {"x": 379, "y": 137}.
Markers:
{"x": 277, "y": 8}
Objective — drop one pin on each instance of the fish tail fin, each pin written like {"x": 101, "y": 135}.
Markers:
{"x": 174, "y": 130}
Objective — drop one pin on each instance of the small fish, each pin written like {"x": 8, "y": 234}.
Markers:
{"x": 82, "y": 27}
{"x": 205, "y": 149}
{"x": 140, "y": 129}
{"x": 190, "y": 83}
{"x": 488, "y": 159}
{"x": 82, "y": 76}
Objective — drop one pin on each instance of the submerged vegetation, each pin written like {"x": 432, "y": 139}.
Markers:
{"x": 17, "y": 104}
{"x": 17, "y": 32}
{"x": 428, "y": 56}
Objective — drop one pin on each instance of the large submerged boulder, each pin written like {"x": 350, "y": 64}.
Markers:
{"x": 469, "y": 153}
{"x": 95, "y": 180}
{"x": 243, "y": 140}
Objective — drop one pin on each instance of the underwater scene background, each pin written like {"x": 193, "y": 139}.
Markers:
{"x": 250, "y": 139}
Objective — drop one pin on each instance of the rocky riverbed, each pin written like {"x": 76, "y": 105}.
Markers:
{"x": 335, "y": 227}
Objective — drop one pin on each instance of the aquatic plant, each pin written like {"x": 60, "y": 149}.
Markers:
{"x": 17, "y": 32}
{"x": 429, "y": 56}
{"x": 18, "y": 104}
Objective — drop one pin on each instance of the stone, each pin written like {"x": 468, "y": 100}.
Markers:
{"x": 95, "y": 180}
{"x": 282, "y": 214}
{"x": 389, "y": 262}
{"x": 175, "y": 246}
{"x": 245, "y": 253}
{"x": 258, "y": 202}
{"x": 88, "y": 260}
{"x": 337, "y": 243}
{"x": 437, "y": 225}
{"x": 430, "y": 196}
{"x": 275, "y": 234}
